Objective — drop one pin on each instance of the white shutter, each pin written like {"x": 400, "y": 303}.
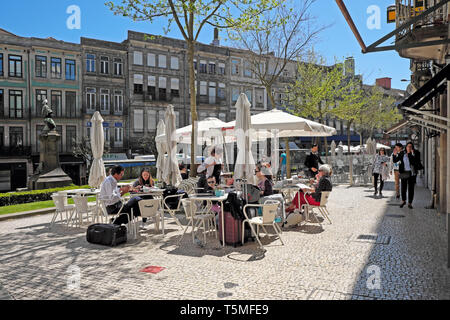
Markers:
{"x": 138, "y": 120}
{"x": 138, "y": 57}
{"x": 151, "y": 120}
{"x": 151, "y": 81}
{"x": 221, "y": 85}
{"x": 174, "y": 63}
{"x": 138, "y": 79}
{"x": 203, "y": 88}
{"x": 162, "y": 83}
{"x": 162, "y": 61}
{"x": 151, "y": 60}
{"x": 174, "y": 84}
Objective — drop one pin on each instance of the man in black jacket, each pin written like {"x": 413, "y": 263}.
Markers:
{"x": 410, "y": 164}
{"x": 312, "y": 161}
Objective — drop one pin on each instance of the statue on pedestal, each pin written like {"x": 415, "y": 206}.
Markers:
{"x": 47, "y": 113}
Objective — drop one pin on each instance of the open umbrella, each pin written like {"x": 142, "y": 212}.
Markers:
{"x": 245, "y": 164}
{"x": 97, "y": 173}
{"x": 161, "y": 148}
{"x": 171, "y": 173}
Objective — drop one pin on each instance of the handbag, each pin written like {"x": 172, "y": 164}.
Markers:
{"x": 405, "y": 175}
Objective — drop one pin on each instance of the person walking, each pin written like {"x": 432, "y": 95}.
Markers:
{"x": 395, "y": 167}
{"x": 283, "y": 163}
{"x": 312, "y": 161}
{"x": 380, "y": 166}
{"x": 409, "y": 165}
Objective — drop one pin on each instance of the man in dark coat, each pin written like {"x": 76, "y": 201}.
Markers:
{"x": 312, "y": 161}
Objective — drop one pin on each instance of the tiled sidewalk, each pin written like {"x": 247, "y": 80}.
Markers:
{"x": 315, "y": 263}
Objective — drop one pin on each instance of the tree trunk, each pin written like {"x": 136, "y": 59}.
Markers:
{"x": 193, "y": 101}
{"x": 271, "y": 98}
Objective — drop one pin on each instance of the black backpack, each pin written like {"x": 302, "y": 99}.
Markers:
{"x": 234, "y": 205}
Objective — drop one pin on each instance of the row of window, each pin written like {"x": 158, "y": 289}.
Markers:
{"x": 209, "y": 67}
{"x": 16, "y": 103}
{"x": 16, "y": 136}
{"x": 104, "y": 65}
{"x": 138, "y": 59}
{"x": 105, "y": 101}
{"x": 15, "y": 67}
{"x": 117, "y": 131}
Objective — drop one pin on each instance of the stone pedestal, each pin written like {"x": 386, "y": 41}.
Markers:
{"x": 49, "y": 173}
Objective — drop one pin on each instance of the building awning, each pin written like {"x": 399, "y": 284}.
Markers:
{"x": 399, "y": 126}
{"x": 435, "y": 85}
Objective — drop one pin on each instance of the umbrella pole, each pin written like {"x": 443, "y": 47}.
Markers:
{"x": 288, "y": 159}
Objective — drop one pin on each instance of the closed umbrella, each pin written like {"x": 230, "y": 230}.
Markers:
{"x": 245, "y": 163}
{"x": 333, "y": 148}
{"x": 97, "y": 173}
{"x": 171, "y": 173}
{"x": 161, "y": 148}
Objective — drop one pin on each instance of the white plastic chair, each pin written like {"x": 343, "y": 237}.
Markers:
{"x": 151, "y": 209}
{"x": 322, "y": 208}
{"x": 60, "y": 201}
{"x": 82, "y": 209}
{"x": 198, "y": 219}
{"x": 170, "y": 211}
{"x": 268, "y": 219}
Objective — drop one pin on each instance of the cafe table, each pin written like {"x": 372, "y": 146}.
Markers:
{"x": 194, "y": 198}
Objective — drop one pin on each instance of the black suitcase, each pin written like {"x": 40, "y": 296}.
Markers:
{"x": 106, "y": 234}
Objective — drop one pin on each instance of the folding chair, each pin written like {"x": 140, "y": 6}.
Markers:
{"x": 199, "y": 219}
{"x": 269, "y": 213}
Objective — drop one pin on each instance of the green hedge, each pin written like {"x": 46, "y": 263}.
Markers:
{"x": 12, "y": 198}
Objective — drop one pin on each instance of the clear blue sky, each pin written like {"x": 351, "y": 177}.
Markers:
{"x": 47, "y": 18}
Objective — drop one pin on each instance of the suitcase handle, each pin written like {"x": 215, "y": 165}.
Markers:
{"x": 149, "y": 206}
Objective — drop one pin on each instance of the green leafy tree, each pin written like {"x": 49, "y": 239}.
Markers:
{"x": 190, "y": 17}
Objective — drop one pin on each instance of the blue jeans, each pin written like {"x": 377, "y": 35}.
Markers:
{"x": 283, "y": 170}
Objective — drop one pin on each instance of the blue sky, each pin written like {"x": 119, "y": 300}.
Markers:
{"x": 47, "y": 18}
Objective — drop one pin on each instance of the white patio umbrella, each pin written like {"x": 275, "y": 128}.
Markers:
{"x": 245, "y": 163}
{"x": 333, "y": 148}
{"x": 161, "y": 148}
{"x": 371, "y": 146}
{"x": 97, "y": 173}
{"x": 171, "y": 173}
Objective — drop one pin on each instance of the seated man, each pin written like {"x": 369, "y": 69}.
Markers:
{"x": 323, "y": 184}
{"x": 111, "y": 195}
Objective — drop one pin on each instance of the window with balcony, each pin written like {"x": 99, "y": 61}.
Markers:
{"x": 212, "y": 68}
{"x": 104, "y": 100}
{"x": 118, "y": 134}
{"x": 41, "y": 67}
{"x": 91, "y": 99}
{"x": 15, "y": 104}
{"x": 56, "y": 68}
{"x": 71, "y": 104}
{"x": 151, "y": 88}
{"x": 90, "y": 62}
{"x": 71, "y": 137}
{"x": 138, "y": 84}
{"x": 118, "y": 102}
{"x": 104, "y": 65}
{"x": 106, "y": 132}
{"x": 1, "y": 64}
{"x": 212, "y": 93}
{"x": 15, "y": 66}
{"x": 203, "y": 67}
{"x": 41, "y": 95}
{"x": 118, "y": 67}
{"x": 70, "y": 69}
{"x": 56, "y": 103}
{"x": 16, "y": 136}
{"x": 175, "y": 87}
{"x": 235, "y": 67}
{"x": 162, "y": 88}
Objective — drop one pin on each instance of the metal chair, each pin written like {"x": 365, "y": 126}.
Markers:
{"x": 269, "y": 213}
{"x": 170, "y": 211}
{"x": 322, "y": 207}
{"x": 199, "y": 219}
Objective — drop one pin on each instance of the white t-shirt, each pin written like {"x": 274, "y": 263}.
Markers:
{"x": 210, "y": 160}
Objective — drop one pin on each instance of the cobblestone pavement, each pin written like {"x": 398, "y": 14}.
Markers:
{"x": 315, "y": 263}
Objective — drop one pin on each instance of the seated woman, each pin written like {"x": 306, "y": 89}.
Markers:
{"x": 264, "y": 180}
{"x": 323, "y": 184}
{"x": 144, "y": 180}
{"x": 183, "y": 171}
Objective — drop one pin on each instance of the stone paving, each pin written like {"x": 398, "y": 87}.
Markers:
{"x": 314, "y": 263}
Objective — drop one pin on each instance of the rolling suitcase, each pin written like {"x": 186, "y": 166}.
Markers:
{"x": 233, "y": 229}
{"x": 106, "y": 234}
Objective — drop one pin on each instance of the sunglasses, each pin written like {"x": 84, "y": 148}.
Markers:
{"x": 211, "y": 182}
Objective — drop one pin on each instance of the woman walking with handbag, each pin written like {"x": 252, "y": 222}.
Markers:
{"x": 379, "y": 170}
{"x": 410, "y": 164}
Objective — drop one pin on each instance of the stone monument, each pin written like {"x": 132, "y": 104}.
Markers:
{"x": 49, "y": 173}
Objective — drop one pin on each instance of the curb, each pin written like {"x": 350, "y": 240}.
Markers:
{"x": 10, "y": 216}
